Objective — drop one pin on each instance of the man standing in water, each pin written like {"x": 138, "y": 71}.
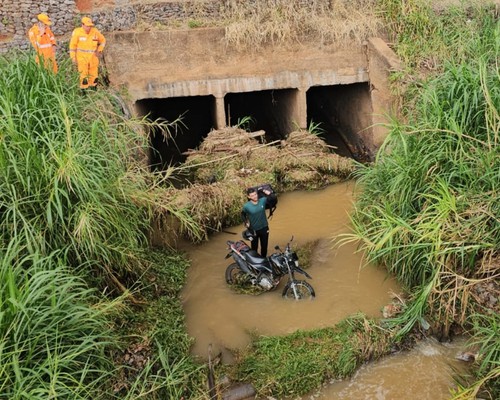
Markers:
{"x": 255, "y": 219}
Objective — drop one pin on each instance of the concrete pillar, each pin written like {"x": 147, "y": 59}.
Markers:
{"x": 220, "y": 113}
{"x": 299, "y": 114}
{"x": 381, "y": 62}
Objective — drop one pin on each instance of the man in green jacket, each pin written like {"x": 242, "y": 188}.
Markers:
{"x": 255, "y": 219}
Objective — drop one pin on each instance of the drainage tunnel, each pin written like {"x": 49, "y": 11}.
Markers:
{"x": 273, "y": 111}
{"x": 343, "y": 115}
{"x": 197, "y": 116}
{"x": 340, "y": 114}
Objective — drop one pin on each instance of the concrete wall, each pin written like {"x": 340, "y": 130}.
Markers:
{"x": 381, "y": 62}
{"x": 197, "y": 63}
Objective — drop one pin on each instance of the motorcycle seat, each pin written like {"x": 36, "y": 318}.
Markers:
{"x": 254, "y": 258}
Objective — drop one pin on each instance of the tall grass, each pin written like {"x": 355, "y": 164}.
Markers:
{"x": 76, "y": 206}
{"x": 426, "y": 34}
{"x": 69, "y": 180}
{"x": 162, "y": 378}
{"x": 53, "y": 330}
{"x": 58, "y": 338}
{"x": 429, "y": 207}
{"x": 430, "y": 201}
{"x": 487, "y": 340}
{"x": 63, "y": 170}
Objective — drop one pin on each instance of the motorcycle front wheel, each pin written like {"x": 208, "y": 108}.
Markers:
{"x": 234, "y": 274}
{"x": 298, "y": 290}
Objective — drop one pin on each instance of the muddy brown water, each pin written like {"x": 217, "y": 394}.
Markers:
{"x": 427, "y": 372}
{"x": 344, "y": 285}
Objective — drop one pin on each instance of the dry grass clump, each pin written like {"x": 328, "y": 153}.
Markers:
{"x": 231, "y": 139}
{"x": 231, "y": 159}
{"x": 257, "y": 23}
{"x": 254, "y": 24}
{"x": 302, "y": 139}
{"x": 306, "y": 251}
{"x": 302, "y": 161}
{"x": 211, "y": 206}
{"x": 306, "y": 162}
{"x": 226, "y": 151}
{"x": 459, "y": 295}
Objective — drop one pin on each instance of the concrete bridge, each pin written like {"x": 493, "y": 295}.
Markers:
{"x": 194, "y": 74}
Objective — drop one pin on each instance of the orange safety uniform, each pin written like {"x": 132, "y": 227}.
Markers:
{"x": 83, "y": 49}
{"x": 45, "y": 46}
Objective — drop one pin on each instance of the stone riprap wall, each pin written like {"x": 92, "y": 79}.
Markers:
{"x": 17, "y": 16}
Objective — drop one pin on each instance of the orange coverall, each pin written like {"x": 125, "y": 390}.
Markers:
{"x": 83, "y": 49}
{"x": 44, "y": 44}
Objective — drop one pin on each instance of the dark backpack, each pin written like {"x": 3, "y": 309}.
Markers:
{"x": 272, "y": 199}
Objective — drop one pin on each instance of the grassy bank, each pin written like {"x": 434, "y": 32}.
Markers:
{"x": 295, "y": 364}
{"x": 429, "y": 207}
{"x": 89, "y": 311}
{"x": 76, "y": 269}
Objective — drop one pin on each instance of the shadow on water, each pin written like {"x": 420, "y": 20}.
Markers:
{"x": 224, "y": 319}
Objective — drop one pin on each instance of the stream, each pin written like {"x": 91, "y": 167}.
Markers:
{"x": 219, "y": 317}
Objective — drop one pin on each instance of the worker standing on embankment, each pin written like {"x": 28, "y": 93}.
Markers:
{"x": 44, "y": 42}
{"x": 85, "y": 49}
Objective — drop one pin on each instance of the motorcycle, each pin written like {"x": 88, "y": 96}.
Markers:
{"x": 266, "y": 273}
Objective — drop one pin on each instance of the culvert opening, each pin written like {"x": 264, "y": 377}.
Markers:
{"x": 273, "y": 111}
{"x": 198, "y": 119}
{"x": 341, "y": 112}
{"x": 343, "y": 115}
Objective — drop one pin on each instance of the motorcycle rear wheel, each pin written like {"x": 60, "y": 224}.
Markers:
{"x": 234, "y": 274}
{"x": 298, "y": 290}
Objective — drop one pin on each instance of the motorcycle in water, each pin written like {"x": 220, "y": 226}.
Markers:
{"x": 252, "y": 269}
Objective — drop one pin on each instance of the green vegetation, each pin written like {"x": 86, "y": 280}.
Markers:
{"x": 429, "y": 207}
{"x": 195, "y": 24}
{"x": 62, "y": 184}
{"x": 54, "y": 332}
{"x": 298, "y": 363}
{"x": 75, "y": 210}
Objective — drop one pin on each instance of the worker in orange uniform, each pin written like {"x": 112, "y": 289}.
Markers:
{"x": 85, "y": 49}
{"x": 44, "y": 42}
